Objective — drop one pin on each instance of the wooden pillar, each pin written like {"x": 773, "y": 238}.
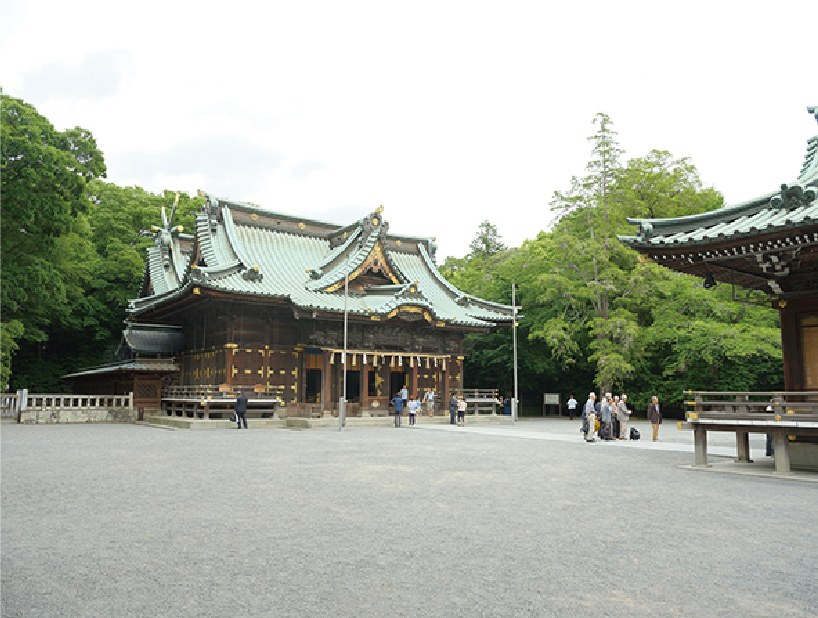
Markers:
{"x": 326, "y": 385}
{"x": 743, "y": 447}
{"x": 415, "y": 369}
{"x": 781, "y": 454}
{"x": 790, "y": 348}
{"x": 446, "y": 394}
{"x": 700, "y": 443}
{"x": 229, "y": 352}
{"x": 365, "y": 385}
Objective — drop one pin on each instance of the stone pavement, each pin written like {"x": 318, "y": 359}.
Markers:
{"x": 122, "y": 520}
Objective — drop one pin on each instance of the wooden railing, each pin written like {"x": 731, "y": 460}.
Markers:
{"x": 479, "y": 399}
{"x": 803, "y": 404}
{"x": 191, "y": 391}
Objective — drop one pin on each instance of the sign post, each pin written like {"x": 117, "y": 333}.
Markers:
{"x": 551, "y": 399}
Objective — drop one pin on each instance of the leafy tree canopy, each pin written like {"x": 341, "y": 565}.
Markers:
{"x": 487, "y": 242}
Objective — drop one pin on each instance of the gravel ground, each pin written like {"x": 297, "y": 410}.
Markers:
{"x": 122, "y": 520}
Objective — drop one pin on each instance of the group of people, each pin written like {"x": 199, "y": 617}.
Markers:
{"x": 413, "y": 406}
{"x": 457, "y": 407}
{"x": 608, "y": 418}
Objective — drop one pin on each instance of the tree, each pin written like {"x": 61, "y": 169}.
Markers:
{"x": 44, "y": 175}
{"x": 587, "y": 256}
{"x": 487, "y": 242}
{"x": 659, "y": 186}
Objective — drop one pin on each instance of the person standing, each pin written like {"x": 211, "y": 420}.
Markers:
{"x": 572, "y": 408}
{"x": 413, "y": 410}
{"x": 615, "y": 418}
{"x": 589, "y": 416}
{"x": 452, "y": 409}
{"x": 241, "y": 410}
{"x": 430, "y": 402}
{"x": 655, "y": 417}
{"x": 461, "y": 412}
{"x": 398, "y": 403}
{"x": 605, "y": 419}
{"x": 404, "y": 394}
{"x": 623, "y": 414}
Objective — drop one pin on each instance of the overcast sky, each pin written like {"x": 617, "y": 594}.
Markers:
{"x": 446, "y": 113}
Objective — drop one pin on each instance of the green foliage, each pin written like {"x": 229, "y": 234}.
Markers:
{"x": 73, "y": 249}
{"x": 10, "y": 333}
{"x": 44, "y": 174}
{"x": 487, "y": 242}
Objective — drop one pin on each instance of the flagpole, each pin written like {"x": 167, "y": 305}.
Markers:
{"x": 342, "y": 404}
{"x": 514, "y": 403}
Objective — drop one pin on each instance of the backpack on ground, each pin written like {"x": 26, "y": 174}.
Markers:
{"x": 635, "y": 435}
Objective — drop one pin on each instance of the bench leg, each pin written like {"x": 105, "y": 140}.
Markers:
{"x": 700, "y": 444}
{"x": 782, "y": 453}
{"x": 743, "y": 447}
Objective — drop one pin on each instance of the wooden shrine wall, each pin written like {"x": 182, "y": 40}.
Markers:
{"x": 257, "y": 344}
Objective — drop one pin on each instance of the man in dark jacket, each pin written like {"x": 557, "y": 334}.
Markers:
{"x": 398, "y": 403}
{"x": 452, "y": 409}
{"x": 655, "y": 417}
{"x": 241, "y": 410}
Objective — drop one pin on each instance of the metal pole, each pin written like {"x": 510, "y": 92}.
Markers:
{"x": 514, "y": 401}
{"x": 342, "y": 404}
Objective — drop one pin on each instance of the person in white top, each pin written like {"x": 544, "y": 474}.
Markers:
{"x": 430, "y": 402}
{"x": 461, "y": 412}
{"x": 572, "y": 408}
{"x": 623, "y": 414}
{"x": 414, "y": 404}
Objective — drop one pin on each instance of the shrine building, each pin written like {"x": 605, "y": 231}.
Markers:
{"x": 255, "y": 298}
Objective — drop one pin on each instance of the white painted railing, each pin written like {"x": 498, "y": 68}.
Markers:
{"x": 68, "y": 408}
{"x": 8, "y": 405}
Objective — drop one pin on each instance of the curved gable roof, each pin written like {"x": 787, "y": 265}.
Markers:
{"x": 248, "y": 251}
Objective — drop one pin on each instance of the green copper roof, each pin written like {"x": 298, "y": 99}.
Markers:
{"x": 245, "y": 250}
{"x": 794, "y": 205}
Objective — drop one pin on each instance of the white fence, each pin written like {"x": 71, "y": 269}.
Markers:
{"x": 8, "y": 405}
{"x": 64, "y": 408}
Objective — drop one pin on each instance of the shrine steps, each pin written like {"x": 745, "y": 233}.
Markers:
{"x": 177, "y": 422}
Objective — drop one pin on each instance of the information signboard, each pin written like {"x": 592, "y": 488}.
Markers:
{"x": 553, "y": 400}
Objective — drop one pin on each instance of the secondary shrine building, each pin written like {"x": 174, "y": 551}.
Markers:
{"x": 257, "y": 298}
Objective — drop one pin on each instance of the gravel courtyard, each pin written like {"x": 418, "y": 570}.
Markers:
{"x": 124, "y": 520}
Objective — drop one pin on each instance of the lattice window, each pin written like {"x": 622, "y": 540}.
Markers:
{"x": 147, "y": 391}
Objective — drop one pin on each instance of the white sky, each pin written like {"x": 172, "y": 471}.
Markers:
{"x": 447, "y": 113}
